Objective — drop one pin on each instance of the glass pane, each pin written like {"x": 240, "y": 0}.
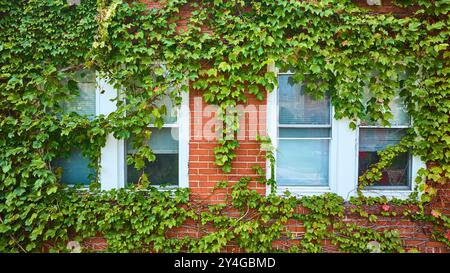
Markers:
{"x": 304, "y": 132}
{"x": 302, "y": 162}
{"x": 164, "y": 170}
{"x": 398, "y": 110}
{"x": 162, "y": 141}
{"x": 295, "y": 107}
{"x": 75, "y": 169}
{"x": 171, "y": 116}
{"x": 84, "y": 103}
{"x": 373, "y": 140}
{"x": 171, "y": 107}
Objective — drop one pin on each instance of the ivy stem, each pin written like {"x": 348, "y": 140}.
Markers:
{"x": 14, "y": 239}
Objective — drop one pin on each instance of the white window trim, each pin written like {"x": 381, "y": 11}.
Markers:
{"x": 183, "y": 142}
{"x": 272, "y": 129}
{"x": 112, "y": 160}
{"x": 343, "y": 172}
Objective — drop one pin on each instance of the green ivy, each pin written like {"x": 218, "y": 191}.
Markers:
{"x": 223, "y": 51}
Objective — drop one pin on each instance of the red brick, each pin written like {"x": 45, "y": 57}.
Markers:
{"x": 204, "y": 174}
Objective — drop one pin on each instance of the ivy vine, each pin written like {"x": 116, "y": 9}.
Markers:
{"x": 222, "y": 50}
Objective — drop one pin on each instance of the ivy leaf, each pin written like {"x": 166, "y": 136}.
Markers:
{"x": 224, "y": 66}
{"x": 212, "y": 72}
{"x": 315, "y": 68}
{"x": 52, "y": 189}
{"x": 446, "y": 138}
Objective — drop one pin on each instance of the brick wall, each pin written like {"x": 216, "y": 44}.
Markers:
{"x": 204, "y": 175}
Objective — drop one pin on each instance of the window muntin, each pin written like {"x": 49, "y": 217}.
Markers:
{"x": 75, "y": 167}
{"x": 304, "y": 134}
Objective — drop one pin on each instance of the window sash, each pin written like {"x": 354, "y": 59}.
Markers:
{"x": 163, "y": 153}
{"x": 396, "y": 105}
{"x": 295, "y": 182}
{"x": 408, "y": 167}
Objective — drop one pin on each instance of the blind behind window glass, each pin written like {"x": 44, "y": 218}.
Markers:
{"x": 303, "y": 153}
{"x": 303, "y": 162}
{"x": 85, "y": 102}
{"x": 376, "y": 139}
{"x": 76, "y": 168}
{"x": 296, "y": 107}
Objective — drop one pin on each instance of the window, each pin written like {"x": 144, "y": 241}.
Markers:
{"x": 316, "y": 153}
{"x": 170, "y": 144}
{"x": 374, "y": 138}
{"x": 75, "y": 168}
{"x": 304, "y": 134}
{"x": 165, "y": 145}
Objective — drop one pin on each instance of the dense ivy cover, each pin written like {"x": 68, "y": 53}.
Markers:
{"x": 223, "y": 49}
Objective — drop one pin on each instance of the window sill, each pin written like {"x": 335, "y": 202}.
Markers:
{"x": 300, "y": 191}
{"x": 388, "y": 193}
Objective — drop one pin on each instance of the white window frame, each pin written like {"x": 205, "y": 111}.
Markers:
{"x": 272, "y": 128}
{"x": 113, "y": 161}
{"x": 343, "y": 165}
